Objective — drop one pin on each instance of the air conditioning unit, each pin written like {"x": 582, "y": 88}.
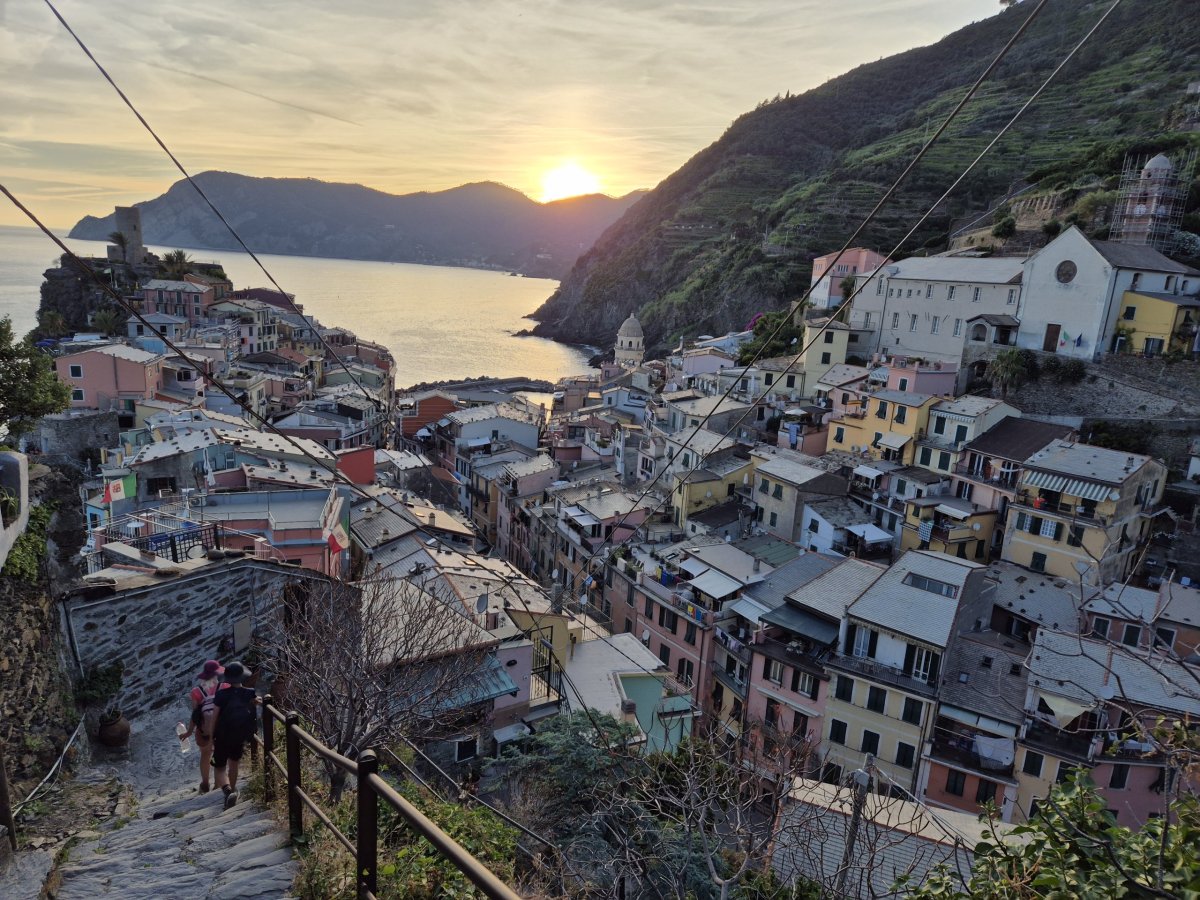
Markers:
{"x": 854, "y": 448}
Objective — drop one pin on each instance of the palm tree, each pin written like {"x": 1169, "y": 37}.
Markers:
{"x": 107, "y": 321}
{"x": 119, "y": 238}
{"x": 1008, "y": 371}
{"x": 51, "y": 324}
{"x": 177, "y": 263}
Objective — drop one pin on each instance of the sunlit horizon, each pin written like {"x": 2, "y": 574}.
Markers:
{"x": 569, "y": 179}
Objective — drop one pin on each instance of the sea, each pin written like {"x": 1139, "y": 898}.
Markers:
{"x": 442, "y": 323}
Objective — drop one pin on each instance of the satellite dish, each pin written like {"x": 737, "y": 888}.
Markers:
{"x": 646, "y": 634}
{"x": 554, "y": 575}
{"x": 481, "y": 604}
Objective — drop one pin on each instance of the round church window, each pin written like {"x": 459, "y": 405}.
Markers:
{"x": 1066, "y": 271}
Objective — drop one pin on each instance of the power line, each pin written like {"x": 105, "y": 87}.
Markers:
{"x": 129, "y": 103}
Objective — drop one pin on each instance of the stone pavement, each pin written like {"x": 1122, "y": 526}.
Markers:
{"x": 174, "y": 843}
{"x": 182, "y": 845}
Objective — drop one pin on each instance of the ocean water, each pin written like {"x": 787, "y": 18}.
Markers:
{"x": 441, "y": 323}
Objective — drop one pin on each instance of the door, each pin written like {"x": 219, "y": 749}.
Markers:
{"x": 1050, "y": 344}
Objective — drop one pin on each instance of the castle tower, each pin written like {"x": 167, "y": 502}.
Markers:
{"x": 630, "y": 349}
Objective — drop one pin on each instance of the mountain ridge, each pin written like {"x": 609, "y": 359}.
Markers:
{"x": 481, "y": 223}
{"x": 733, "y": 231}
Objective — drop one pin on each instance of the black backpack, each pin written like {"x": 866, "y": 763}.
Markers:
{"x": 237, "y": 719}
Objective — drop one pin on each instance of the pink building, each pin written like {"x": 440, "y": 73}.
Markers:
{"x": 181, "y": 299}
{"x": 112, "y": 376}
{"x": 827, "y": 281}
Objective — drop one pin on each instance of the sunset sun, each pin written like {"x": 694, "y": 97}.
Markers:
{"x": 568, "y": 180}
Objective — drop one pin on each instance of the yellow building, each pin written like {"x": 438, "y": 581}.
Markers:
{"x": 1083, "y": 511}
{"x": 1151, "y": 323}
{"x": 716, "y": 482}
{"x": 948, "y": 525}
{"x": 884, "y": 425}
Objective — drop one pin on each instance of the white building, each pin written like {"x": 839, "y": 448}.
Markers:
{"x": 920, "y": 306}
{"x": 1073, "y": 289}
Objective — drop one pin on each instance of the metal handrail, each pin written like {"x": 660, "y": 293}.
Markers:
{"x": 371, "y": 789}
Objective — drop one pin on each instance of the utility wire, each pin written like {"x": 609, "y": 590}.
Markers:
{"x": 133, "y": 109}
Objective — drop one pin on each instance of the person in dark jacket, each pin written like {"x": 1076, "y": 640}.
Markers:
{"x": 233, "y": 728}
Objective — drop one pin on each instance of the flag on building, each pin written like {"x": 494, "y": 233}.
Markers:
{"x": 338, "y": 540}
{"x": 1079, "y": 340}
{"x": 1062, "y": 341}
{"x": 120, "y": 489}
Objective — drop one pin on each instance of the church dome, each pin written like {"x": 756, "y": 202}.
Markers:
{"x": 1159, "y": 165}
{"x": 630, "y": 328}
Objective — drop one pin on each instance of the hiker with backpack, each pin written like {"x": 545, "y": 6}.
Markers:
{"x": 204, "y": 710}
{"x": 236, "y": 720}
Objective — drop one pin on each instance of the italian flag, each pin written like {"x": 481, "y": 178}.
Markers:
{"x": 120, "y": 489}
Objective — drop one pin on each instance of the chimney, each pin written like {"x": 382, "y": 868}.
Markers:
{"x": 757, "y": 564}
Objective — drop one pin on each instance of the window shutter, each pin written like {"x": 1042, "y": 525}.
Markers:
{"x": 872, "y": 643}
{"x": 910, "y": 654}
{"x": 1058, "y": 531}
{"x": 933, "y": 668}
{"x": 795, "y": 681}
{"x": 851, "y": 633}
{"x": 1022, "y": 521}
{"x": 766, "y": 667}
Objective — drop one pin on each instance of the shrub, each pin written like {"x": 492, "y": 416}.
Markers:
{"x": 1005, "y": 228}
{"x": 1052, "y": 228}
{"x": 1073, "y": 371}
{"x": 1052, "y": 367}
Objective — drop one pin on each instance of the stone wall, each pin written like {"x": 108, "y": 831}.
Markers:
{"x": 164, "y": 629}
{"x": 76, "y": 435}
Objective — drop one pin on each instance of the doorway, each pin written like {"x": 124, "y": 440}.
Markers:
{"x": 1050, "y": 344}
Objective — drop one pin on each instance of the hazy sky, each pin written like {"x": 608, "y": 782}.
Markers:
{"x": 406, "y": 96}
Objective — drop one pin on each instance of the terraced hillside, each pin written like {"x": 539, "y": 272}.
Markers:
{"x": 734, "y": 231}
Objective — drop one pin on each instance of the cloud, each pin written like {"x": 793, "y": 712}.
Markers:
{"x": 413, "y": 95}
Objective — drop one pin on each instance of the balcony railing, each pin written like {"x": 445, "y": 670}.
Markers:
{"x": 878, "y": 671}
{"x": 735, "y": 684}
{"x": 961, "y": 753}
{"x": 1059, "y": 743}
{"x": 1077, "y": 512}
{"x": 987, "y": 475}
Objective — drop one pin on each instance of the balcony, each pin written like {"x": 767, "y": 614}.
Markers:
{"x": 1042, "y": 736}
{"x": 959, "y": 751}
{"x": 884, "y": 674}
{"x": 735, "y": 684}
{"x": 988, "y": 475}
{"x": 1130, "y": 748}
{"x": 1052, "y": 505}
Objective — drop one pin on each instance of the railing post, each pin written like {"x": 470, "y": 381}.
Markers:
{"x": 368, "y": 825}
{"x": 6, "y": 814}
{"x": 268, "y": 743}
{"x": 295, "y": 804}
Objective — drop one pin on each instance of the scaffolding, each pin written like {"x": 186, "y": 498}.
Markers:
{"x": 1151, "y": 199}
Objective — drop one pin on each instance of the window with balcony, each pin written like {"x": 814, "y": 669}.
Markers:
{"x": 956, "y": 783}
{"x": 921, "y": 663}
{"x": 837, "y": 732}
{"x": 906, "y": 754}
{"x": 861, "y": 641}
{"x": 870, "y": 743}
{"x": 876, "y": 699}
{"x": 685, "y": 671}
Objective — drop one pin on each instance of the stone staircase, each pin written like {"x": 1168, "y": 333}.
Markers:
{"x": 181, "y": 845}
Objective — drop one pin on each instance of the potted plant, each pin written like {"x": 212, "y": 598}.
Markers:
{"x": 114, "y": 727}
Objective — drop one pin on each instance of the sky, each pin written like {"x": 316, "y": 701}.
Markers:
{"x": 407, "y": 96}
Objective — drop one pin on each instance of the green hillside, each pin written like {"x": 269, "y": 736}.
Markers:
{"x": 733, "y": 232}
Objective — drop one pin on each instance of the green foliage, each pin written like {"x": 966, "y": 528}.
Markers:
{"x": 1129, "y": 438}
{"x": 108, "y": 321}
{"x": 1052, "y": 228}
{"x": 176, "y": 263}
{"x": 789, "y": 340}
{"x": 1008, "y": 370}
{"x": 25, "y": 558}
{"x": 1073, "y": 371}
{"x": 100, "y": 683}
{"x": 29, "y": 388}
{"x": 1005, "y": 228}
{"x": 1074, "y": 848}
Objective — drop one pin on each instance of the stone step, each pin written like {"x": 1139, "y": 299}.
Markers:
{"x": 183, "y": 845}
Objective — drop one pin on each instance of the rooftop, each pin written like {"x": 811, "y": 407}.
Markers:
{"x": 913, "y": 611}
{"x": 773, "y": 590}
{"x": 842, "y": 373}
{"x": 839, "y": 511}
{"x": 1034, "y": 596}
{"x": 967, "y": 405}
{"x": 832, "y": 592}
{"x": 783, "y": 468}
{"x": 118, "y": 351}
{"x": 162, "y": 284}
{"x": 1017, "y": 439}
{"x": 1138, "y": 256}
{"x": 1086, "y": 461}
{"x": 992, "y": 270}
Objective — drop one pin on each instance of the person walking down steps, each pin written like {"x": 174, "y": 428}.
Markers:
{"x": 203, "y": 697}
{"x": 232, "y": 729}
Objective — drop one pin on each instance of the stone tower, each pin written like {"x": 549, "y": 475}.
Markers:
{"x": 631, "y": 348}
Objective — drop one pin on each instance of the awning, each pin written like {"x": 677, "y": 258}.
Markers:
{"x": 1074, "y": 487}
{"x": 1065, "y": 711}
{"x": 749, "y": 609}
{"x": 423, "y": 432}
{"x": 510, "y": 732}
{"x": 894, "y": 441}
{"x": 867, "y": 472}
{"x": 869, "y": 533}
{"x": 715, "y": 584}
{"x": 693, "y": 566}
{"x": 975, "y": 720}
{"x": 478, "y": 442}
{"x": 803, "y": 622}
{"x": 952, "y": 511}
